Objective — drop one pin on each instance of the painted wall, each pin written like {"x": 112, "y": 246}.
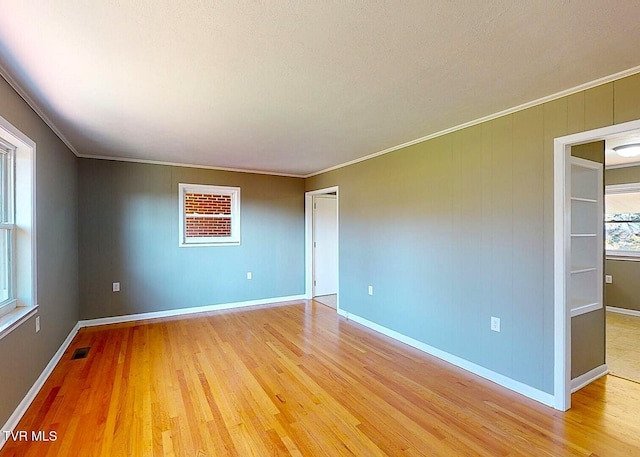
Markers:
{"x": 457, "y": 229}
{"x": 588, "y": 330}
{"x": 624, "y": 292}
{"x": 129, "y": 234}
{"x": 24, "y": 353}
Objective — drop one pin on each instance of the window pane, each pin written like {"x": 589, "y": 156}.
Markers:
{"x": 622, "y": 221}
{"x": 5, "y": 267}
{"x": 623, "y": 236}
{"x": 4, "y": 194}
{"x": 203, "y": 227}
{"x": 211, "y": 204}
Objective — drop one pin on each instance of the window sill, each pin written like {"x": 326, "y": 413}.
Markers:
{"x": 629, "y": 258}
{"x": 204, "y": 245}
{"x": 13, "y": 319}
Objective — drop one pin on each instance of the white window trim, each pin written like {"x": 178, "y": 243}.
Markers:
{"x": 25, "y": 300}
{"x": 234, "y": 192}
{"x": 7, "y": 221}
{"x": 622, "y": 189}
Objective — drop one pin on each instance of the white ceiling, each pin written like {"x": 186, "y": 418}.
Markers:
{"x": 612, "y": 159}
{"x": 295, "y": 87}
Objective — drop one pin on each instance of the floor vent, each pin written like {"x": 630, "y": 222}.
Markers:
{"x": 80, "y": 353}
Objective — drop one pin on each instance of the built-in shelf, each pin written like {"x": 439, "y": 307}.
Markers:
{"x": 585, "y": 264}
{"x": 579, "y": 307}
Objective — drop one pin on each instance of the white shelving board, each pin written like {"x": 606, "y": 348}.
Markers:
{"x": 586, "y": 235}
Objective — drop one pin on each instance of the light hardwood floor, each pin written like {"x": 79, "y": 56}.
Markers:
{"x": 623, "y": 345}
{"x": 299, "y": 380}
{"x": 330, "y": 300}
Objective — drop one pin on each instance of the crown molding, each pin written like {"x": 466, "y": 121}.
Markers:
{"x": 588, "y": 85}
{"x": 490, "y": 117}
{"x": 189, "y": 165}
{"x": 34, "y": 106}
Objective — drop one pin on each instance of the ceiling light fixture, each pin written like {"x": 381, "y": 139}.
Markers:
{"x": 628, "y": 150}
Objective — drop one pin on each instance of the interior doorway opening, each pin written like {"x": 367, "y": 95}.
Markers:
{"x": 564, "y": 383}
{"x": 322, "y": 250}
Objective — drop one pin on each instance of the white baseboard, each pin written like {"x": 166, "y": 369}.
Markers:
{"x": 628, "y": 312}
{"x": 504, "y": 381}
{"x": 13, "y": 420}
{"x": 587, "y": 378}
{"x": 183, "y": 311}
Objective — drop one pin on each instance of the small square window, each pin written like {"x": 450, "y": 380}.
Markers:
{"x": 209, "y": 215}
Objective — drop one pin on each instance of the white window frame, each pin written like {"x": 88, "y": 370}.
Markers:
{"x": 621, "y": 189}
{"x": 233, "y": 192}
{"x": 7, "y": 220}
{"x": 24, "y": 262}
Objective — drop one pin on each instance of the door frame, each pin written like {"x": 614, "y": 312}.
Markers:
{"x": 308, "y": 238}
{"x": 562, "y": 254}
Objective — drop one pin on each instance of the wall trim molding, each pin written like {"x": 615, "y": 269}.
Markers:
{"x": 622, "y": 165}
{"x": 628, "y": 312}
{"x": 188, "y": 165}
{"x": 588, "y": 377}
{"x": 185, "y": 311}
{"x": 14, "y": 419}
{"x": 23, "y": 94}
{"x": 502, "y": 380}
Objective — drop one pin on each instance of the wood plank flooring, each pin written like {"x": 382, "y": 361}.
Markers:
{"x": 623, "y": 345}
{"x": 299, "y": 380}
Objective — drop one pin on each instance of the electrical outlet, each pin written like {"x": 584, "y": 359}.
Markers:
{"x": 608, "y": 279}
{"x": 116, "y": 287}
{"x": 37, "y": 324}
{"x": 370, "y": 290}
{"x": 495, "y": 324}
{"x": 249, "y": 275}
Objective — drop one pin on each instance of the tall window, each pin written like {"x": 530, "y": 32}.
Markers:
{"x": 7, "y": 227}
{"x": 209, "y": 215}
{"x": 622, "y": 220}
{"x": 18, "y": 292}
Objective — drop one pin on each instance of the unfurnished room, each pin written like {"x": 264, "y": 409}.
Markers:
{"x": 319, "y": 228}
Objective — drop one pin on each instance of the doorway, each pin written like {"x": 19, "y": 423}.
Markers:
{"x": 321, "y": 208}
{"x": 563, "y": 384}
{"x": 622, "y": 247}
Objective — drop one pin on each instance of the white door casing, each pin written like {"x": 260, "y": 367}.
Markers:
{"x": 562, "y": 254}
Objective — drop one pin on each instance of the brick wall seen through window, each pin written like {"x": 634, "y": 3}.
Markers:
{"x": 209, "y": 215}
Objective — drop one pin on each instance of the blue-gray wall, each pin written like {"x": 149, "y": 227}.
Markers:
{"x": 24, "y": 353}
{"x": 129, "y": 234}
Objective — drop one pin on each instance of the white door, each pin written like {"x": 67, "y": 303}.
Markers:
{"x": 325, "y": 245}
